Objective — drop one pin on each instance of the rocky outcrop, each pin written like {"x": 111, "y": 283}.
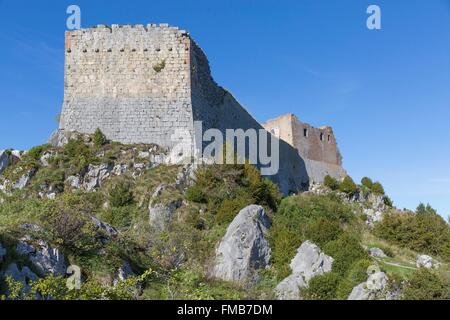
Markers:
{"x": 161, "y": 213}
{"x": 2, "y": 253}
{"x": 377, "y": 253}
{"x": 46, "y": 259}
{"x": 375, "y": 288}
{"x": 309, "y": 262}
{"x": 20, "y": 274}
{"x": 244, "y": 249}
{"x": 4, "y": 160}
{"x": 95, "y": 175}
{"x": 425, "y": 261}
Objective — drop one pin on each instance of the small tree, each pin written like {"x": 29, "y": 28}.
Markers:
{"x": 99, "y": 138}
{"x": 378, "y": 189}
{"x": 367, "y": 182}
{"x": 331, "y": 183}
{"x": 348, "y": 186}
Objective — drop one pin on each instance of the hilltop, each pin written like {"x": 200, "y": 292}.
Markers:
{"x": 139, "y": 228}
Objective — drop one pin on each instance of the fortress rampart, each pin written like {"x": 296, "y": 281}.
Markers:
{"x": 139, "y": 84}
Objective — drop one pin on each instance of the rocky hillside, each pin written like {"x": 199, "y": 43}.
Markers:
{"x": 91, "y": 219}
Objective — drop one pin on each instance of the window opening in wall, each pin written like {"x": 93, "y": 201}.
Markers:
{"x": 329, "y": 138}
{"x": 305, "y": 132}
{"x": 321, "y": 136}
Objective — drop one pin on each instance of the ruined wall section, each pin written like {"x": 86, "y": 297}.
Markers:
{"x": 317, "y": 146}
{"x": 132, "y": 82}
{"x": 217, "y": 108}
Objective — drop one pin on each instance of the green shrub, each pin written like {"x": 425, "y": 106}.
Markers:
{"x": 378, "y": 189}
{"x": 120, "y": 194}
{"x": 367, "y": 182}
{"x": 331, "y": 182}
{"x": 295, "y": 216}
{"x": 322, "y": 287}
{"x": 35, "y": 153}
{"x": 346, "y": 251}
{"x": 322, "y": 231}
{"x": 159, "y": 66}
{"x": 356, "y": 274}
{"x": 229, "y": 208}
{"x": 348, "y": 186}
{"x": 423, "y": 231}
{"x": 426, "y": 285}
{"x": 99, "y": 138}
{"x": 387, "y": 201}
{"x": 119, "y": 217}
{"x": 195, "y": 194}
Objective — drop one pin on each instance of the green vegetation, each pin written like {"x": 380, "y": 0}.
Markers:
{"x": 422, "y": 231}
{"x": 180, "y": 255}
{"x": 348, "y": 186}
{"x": 159, "y": 66}
{"x": 367, "y": 182}
{"x": 331, "y": 183}
{"x": 425, "y": 284}
{"x": 99, "y": 138}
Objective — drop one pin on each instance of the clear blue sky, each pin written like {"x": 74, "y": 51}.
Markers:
{"x": 386, "y": 93}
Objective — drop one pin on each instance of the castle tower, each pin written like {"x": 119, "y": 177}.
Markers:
{"x": 316, "y": 146}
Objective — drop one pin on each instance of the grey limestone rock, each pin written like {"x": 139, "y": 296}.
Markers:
{"x": 244, "y": 249}
{"x": 309, "y": 262}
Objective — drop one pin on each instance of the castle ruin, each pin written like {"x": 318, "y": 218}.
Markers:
{"x": 140, "y": 83}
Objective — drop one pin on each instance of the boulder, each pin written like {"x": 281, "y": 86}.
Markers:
{"x": 23, "y": 275}
{"x": 373, "y": 216}
{"x": 4, "y": 160}
{"x": 377, "y": 253}
{"x": 123, "y": 273}
{"x": 425, "y": 261}
{"x": 374, "y": 288}
{"x": 46, "y": 259}
{"x": 24, "y": 180}
{"x": 244, "y": 249}
{"x": 309, "y": 262}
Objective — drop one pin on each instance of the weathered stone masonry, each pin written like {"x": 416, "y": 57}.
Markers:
{"x": 138, "y": 84}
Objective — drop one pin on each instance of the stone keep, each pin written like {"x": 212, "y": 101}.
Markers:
{"x": 138, "y": 84}
{"x": 316, "y": 146}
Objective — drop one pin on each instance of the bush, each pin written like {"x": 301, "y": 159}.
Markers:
{"x": 346, "y": 251}
{"x": 323, "y": 231}
{"x": 423, "y": 231}
{"x": 331, "y": 183}
{"x": 387, "y": 201}
{"x": 293, "y": 220}
{"x": 35, "y": 153}
{"x": 229, "y": 208}
{"x": 367, "y": 182}
{"x": 99, "y": 138}
{"x": 377, "y": 189}
{"x": 348, "y": 186}
{"x": 426, "y": 285}
{"x": 322, "y": 287}
{"x": 120, "y": 194}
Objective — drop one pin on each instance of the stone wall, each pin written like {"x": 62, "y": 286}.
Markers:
{"x": 217, "y": 108}
{"x": 141, "y": 84}
{"x": 316, "y": 146}
{"x": 132, "y": 82}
